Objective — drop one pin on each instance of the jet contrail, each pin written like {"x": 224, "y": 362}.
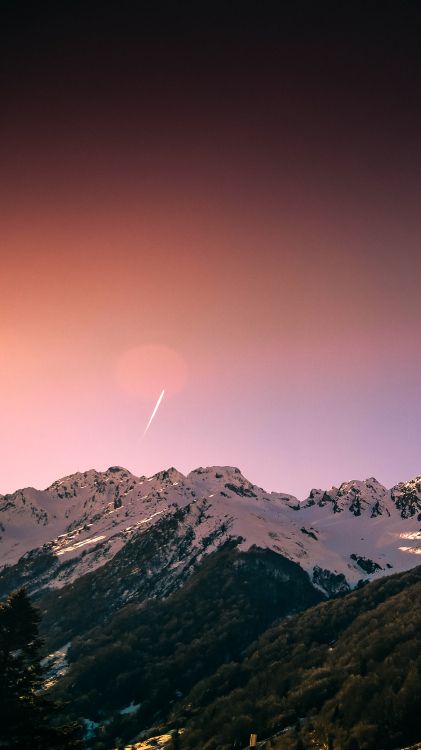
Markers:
{"x": 154, "y": 412}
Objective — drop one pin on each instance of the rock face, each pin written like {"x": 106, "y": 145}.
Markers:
{"x": 407, "y": 498}
{"x": 366, "y": 497}
{"x": 163, "y": 526}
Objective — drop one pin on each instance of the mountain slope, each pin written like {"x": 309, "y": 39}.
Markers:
{"x": 209, "y": 561}
{"x": 344, "y": 674}
{"x": 148, "y": 656}
{"x": 52, "y": 538}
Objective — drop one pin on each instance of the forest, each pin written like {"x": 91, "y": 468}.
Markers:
{"x": 246, "y": 645}
{"x": 29, "y": 719}
{"x": 344, "y": 675}
{"x": 152, "y": 654}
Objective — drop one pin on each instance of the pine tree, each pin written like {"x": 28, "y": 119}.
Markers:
{"x": 28, "y": 719}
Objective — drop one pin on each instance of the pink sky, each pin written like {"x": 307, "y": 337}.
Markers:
{"x": 274, "y": 249}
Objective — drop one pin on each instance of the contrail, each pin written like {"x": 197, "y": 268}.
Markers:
{"x": 154, "y": 412}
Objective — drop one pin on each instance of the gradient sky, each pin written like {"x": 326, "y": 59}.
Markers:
{"x": 241, "y": 198}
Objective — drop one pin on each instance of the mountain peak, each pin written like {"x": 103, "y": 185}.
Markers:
{"x": 85, "y": 519}
{"x": 220, "y": 472}
{"x": 407, "y": 497}
{"x": 172, "y": 474}
{"x": 357, "y": 496}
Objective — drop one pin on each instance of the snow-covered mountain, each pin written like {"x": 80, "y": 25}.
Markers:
{"x": 357, "y": 531}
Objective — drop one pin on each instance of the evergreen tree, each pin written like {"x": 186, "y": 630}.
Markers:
{"x": 28, "y": 719}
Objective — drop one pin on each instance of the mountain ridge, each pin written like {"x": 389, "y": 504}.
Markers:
{"x": 339, "y": 536}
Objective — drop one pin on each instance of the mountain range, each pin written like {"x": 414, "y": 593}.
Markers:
{"x": 339, "y": 537}
{"x": 205, "y": 603}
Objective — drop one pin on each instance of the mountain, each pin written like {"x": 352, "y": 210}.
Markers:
{"x": 125, "y": 669}
{"x": 51, "y": 538}
{"x": 158, "y": 593}
{"x": 232, "y": 651}
{"x": 345, "y": 674}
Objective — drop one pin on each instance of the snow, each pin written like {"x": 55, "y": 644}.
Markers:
{"x": 412, "y": 550}
{"x": 80, "y": 544}
{"x": 411, "y": 535}
{"x": 146, "y": 520}
{"x": 358, "y": 518}
{"x": 131, "y": 709}
{"x": 55, "y": 665}
{"x": 90, "y": 728}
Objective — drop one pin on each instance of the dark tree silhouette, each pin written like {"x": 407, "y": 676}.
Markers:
{"x": 28, "y": 719}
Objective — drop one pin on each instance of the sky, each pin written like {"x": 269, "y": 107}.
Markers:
{"x": 224, "y": 207}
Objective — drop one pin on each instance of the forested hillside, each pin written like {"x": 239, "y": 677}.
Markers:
{"x": 345, "y": 674}
{"x": 234, "y": 652}
{"x": 152, "y": 655}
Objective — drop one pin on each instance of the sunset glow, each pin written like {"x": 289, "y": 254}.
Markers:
{"x": 241, "y": 229}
